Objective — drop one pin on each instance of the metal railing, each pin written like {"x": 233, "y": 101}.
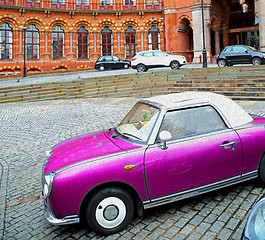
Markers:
{"x": 93, "y": 5}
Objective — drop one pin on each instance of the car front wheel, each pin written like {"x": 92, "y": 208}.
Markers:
{"x": 109, "y": 211}
{"x": 221, "y": 63}
{"x": 174, "y": 65}
{"x": 141, "y": 68}
{"x": 101, "y": 68}
{"x": 256, "y": 61}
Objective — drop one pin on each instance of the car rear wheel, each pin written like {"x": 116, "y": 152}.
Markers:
{"x": 126, "y": 66}
{"x": 110, "y": 211}
{"x": 221, "y": 63}
{"x": 256, "y": 61}
{"x": 262, "y": 169}
{"x": 174, "y": 65}
{"x": 141, "y": 68}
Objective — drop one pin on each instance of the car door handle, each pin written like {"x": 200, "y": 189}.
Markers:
{"x": 228, "y": 144}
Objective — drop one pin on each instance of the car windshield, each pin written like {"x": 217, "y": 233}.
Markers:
{"x": 101, "y": 59}
{"x": 139, "y": 122}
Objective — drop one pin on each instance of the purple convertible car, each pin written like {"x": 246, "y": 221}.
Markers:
{"x": 166, "y": 148}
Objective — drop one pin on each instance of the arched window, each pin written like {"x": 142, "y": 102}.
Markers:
{"x": 82, "y": 43}
{"x": 6, "y": 41}
{"x": 130, "y": 42}
{"x": 106, "y": 41}
{"x": 58, "y": 42}
{"x": 32, "y": 42}
{"x": 153, "y": 38}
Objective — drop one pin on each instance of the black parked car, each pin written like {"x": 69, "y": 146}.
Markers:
{"x": 255, "y": 226}
{"x": 240, "y": 54}
{"x": 111, "y": 62}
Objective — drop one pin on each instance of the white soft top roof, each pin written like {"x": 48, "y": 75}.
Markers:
{"x": 234, "y": 114}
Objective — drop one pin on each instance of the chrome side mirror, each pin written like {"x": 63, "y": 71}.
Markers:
{"x": 164, "y": 137}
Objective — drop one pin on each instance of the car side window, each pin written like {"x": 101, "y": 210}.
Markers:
{"x": 159, "y": 54}
{"x": 115, "y": 58}
{"x": 148, "y": 54}
{"x": 108, "y": 58}
{"x": 239, "y": 49}
{"x": 193, "y": 121}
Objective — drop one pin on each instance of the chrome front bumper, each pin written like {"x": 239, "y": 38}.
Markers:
{"x": 52, "y": 219}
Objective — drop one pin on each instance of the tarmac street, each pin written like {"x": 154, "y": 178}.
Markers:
{"x": 29, "y": 129}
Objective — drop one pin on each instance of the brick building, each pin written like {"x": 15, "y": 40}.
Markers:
{"x": 72, "y": 34}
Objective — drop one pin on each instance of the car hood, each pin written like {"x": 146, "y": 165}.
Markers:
{"x": 84, "y": 148}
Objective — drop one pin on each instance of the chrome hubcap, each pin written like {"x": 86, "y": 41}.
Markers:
{"x": 174, "y": 65}
{"x": 221, "y": 63}
{"x": 110, "y": 212}
{"x": 141, "y": 69}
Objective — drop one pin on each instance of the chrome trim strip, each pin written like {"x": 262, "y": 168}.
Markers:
{"x": 52, "y": 219}
{"x": 200, "y": 190}
{"x": 146, "y": 202}
{"x": 157, "y": 126}
{"x": 253, "y": 172}
{"x": 158, "y": 122}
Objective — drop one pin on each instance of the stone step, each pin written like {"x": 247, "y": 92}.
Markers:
{"x": 247, "y": 82}
{"x": 11, "y": 99}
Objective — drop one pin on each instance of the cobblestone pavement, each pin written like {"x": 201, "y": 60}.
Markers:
{"x": 29, "y": 129}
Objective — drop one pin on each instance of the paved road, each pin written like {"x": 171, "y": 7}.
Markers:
{"x": 29, "y": 129}
{"x": 79, "y": 75}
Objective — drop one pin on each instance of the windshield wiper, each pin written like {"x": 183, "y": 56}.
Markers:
{"x": 115, "y": 133}
{"x": 130, "y": 135}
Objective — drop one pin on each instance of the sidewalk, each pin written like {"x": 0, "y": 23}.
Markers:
{"x": 57, "y": 77}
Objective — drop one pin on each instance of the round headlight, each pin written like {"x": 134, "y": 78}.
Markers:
{"x": 255, "y": 226}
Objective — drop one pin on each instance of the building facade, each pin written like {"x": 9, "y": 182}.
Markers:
{"x": 226, "y": 22}
{"x": 50, "y": 35}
